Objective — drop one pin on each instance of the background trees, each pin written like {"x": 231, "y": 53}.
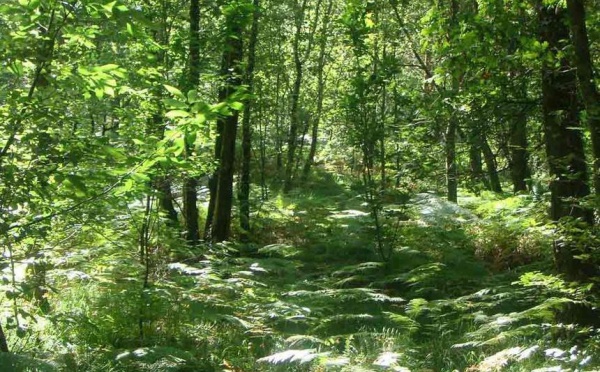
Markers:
{"x": 120, "y": 155}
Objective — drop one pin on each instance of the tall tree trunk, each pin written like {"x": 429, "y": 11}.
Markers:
{"x": 381, "y": 120}
{"x": 320, "y": 92}
{"x": 452, "y": 126}
{"x": 490, "y": 165}
{"x": 476, "y": 163}
{"x": 294, "y": 115}
{"x": 564, "y": 142}
{"x": 451, "y": 168}
{"x": 519, "y": 156}
{"x": 232, "y": 56}
{"x": 190, "y": 184}
{"x": 587, "y": 84}
{"x": 244, "y": 196}
{"x": 299, "y": 59}
{"x": 212, "y": 184}
{"x": 162, "y": 183}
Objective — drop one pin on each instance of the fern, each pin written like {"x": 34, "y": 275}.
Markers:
{"x": 301, "y": 356}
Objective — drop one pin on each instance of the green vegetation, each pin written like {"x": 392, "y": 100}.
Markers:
{"x": 299, "y": 185}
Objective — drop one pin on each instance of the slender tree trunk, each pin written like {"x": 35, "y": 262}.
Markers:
{"x": 587, "y": 84}
{"x": 382, "y": 153}
{"x": 451, "y": 168}
{"x": 320, "y": 91}
{"x": 564, "y": 142}
{"x": 294, "y": 117}
{"x": 162, "y": 183}
{"x": 244, "y": 196}
{"x": 232, "y": 56}
{"x": 212, "y": 185}
{"x": 476, "y": 163}
{"x": 452, "y": 126}
{"x": 519, "y": 156}
{"x": 278, "y": 110}
{"x": 190, "y": 184}
{"x": 3, "y": 342}
{"x": 299, "y": 59}
{"x": 490, "y": 165}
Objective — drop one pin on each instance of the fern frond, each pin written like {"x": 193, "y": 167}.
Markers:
{"x": 301, "y": 356}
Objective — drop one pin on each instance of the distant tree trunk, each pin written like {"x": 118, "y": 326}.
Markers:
{"x": 232, "y": 56}
{"x": 278, "y": 110}
{"x": 190, "y": 198}
{"x": 382, "y": 127}
{"x": 212, "y": 184}
{"x": 564, "y": 142}
{"x": 490, "y": 165}
{"x": 162, "y": 183}
{"x": 587, "y": 83}
{"x": 294, "y": 112}
{"x": 3, "y": 343}
{"x": 519, "y": 156}
{"x": 244, "y": 196}
{"x": 452, "y": 126}
{"x": 476, "y": 163}
{"x": 299, "y": 59}
{"x": 451, "y": 168}
{"x": 320, "y": 90}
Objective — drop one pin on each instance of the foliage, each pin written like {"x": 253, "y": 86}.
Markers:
{"x": 354, "y": 260}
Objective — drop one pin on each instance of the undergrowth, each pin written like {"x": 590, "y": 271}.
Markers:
{"x": 468, "y": 289}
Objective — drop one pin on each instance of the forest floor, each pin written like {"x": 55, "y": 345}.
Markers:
{"x": 465, "y": 288}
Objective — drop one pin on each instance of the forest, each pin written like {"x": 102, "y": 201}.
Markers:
{"x": 299, "y": 185}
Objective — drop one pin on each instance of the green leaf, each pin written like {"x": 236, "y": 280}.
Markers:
{"x": 99, "y": 93}
{"x": 192, "y": 96}
{"x": 16, "y": 68}
{"x": 106, "y": 68}
{"x": 109, "y": 91}
{"x": 29, "y": 4}
{"x": 129, "y": 29}
{"x": 76, "y": 182}
{"x": 174, "y": 91}
{"x": 176, "y": 104}
{"x": 238, "y": 106}
{"x": 109, "y": 7}
{"x": 220, "y": 108}
{"x": 114, "y": 153}
{"x": 177, "y": 114}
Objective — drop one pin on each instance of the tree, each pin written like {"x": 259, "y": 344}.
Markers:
{"x": 190, "y": 198}
{"x": 300, "y": 57}
{"x": 235, "y": 14}
{"x": 586, "y": 78}
{"x": 564, "y": 141}
{"x": 321, "y": 78}
{"x": 244, "y": 195}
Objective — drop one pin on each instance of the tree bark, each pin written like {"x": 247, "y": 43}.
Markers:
{"x": 294, "y": 112}
{"x": 244, "y": 196}
{"x": 451, "y": 129}
{"x": 519, "y": 156}
{"x": 585, "y": 75}
{"x": 3, "y": 342}
{"x": 564, "y": 142}
{"x": 232, "y": 56}
{"x": 190, "y": 184}
{"x": 490, "y": 165}
{"x": 299, "y": 59}
{"x": 451, "y": 168}
{"x": 476, "y": 163}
